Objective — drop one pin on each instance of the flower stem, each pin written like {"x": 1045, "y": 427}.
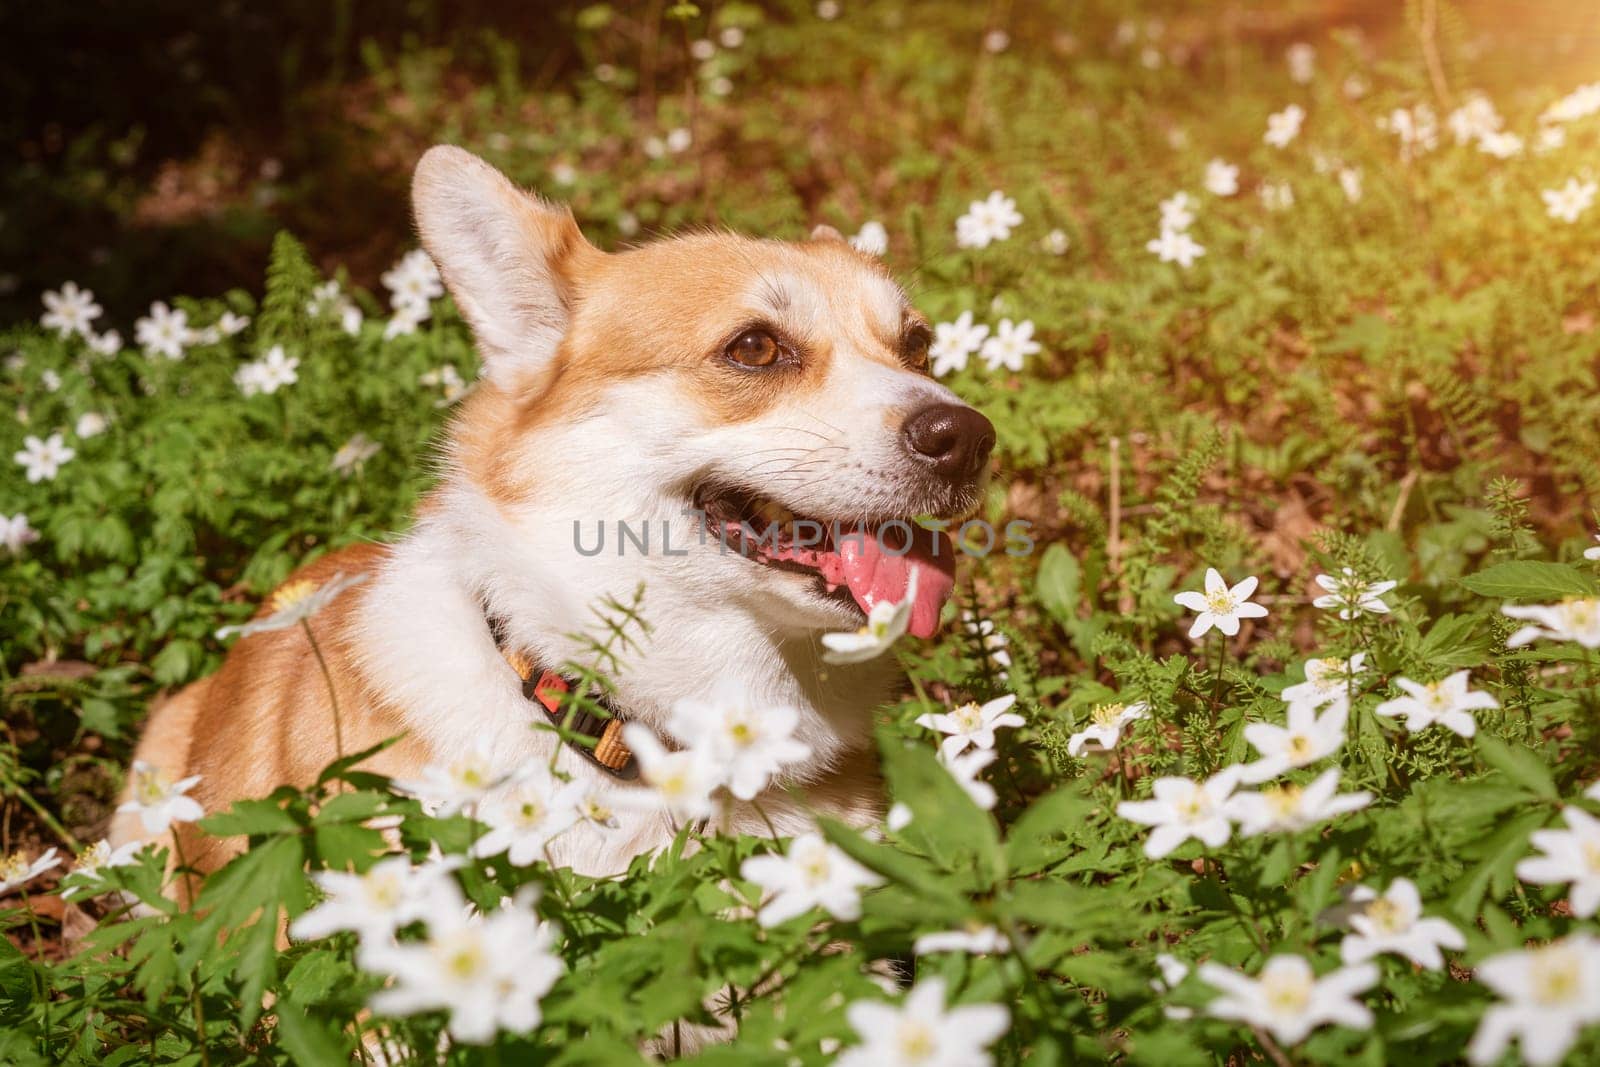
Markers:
{"x": 333, "y": 696}
{"x": 44, "y": 985}
{"x": 195, "y": 997}
{"x": 771, "y": 829}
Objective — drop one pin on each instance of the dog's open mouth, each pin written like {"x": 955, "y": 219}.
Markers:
{"x": 868, "y": 563}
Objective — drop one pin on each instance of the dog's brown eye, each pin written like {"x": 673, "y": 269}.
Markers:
{"x": 754, "y": 348}
{"x": 915, "y": 349}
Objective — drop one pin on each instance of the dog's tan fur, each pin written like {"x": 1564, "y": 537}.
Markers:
{"x": 569, "y": 334}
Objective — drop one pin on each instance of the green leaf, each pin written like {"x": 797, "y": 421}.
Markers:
{"x": 16, "y": 984}
{"x": 1500, "y": 854}
{"x": 1059, "y": 582}
{"x": 1529, "y": 580}
{"x": 310, "y": 1042}
{"x": 1521, "y": 765}
{"x": 957, "y": 833}
{"x": 1046, "y": 833}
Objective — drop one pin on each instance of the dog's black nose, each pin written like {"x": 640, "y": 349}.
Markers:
{"x": 953, "y": 439}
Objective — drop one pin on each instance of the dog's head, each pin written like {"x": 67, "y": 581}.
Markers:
{"x": 730, "y": 387}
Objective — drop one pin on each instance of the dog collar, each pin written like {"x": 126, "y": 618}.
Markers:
{"x": 544, "y": 688}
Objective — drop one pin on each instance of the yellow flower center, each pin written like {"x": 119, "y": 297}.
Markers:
{"x": 291, "y": 593}
{"x": 1193, "y": 807}
{"x": 1580, "y": 614}
{"x": 1299, "y": 748}
{"x": 1221, "y": 602}
{"x": 464, "y": 961}
{"x": 968, "y": 717}
{"x": 531, "y": 813}
{"x": 1386, "y": 916}
{"x": 1285, "y": 800}
{"x": 742, "y": 733}
{"x": 1289, "y": 997}
{"x": 13, "y": 867}
{"x": 94, "y": 855}
{"x": 915, "y": 1040}
{"x": 1591, "y": 856}
{"x": 1437, "y": 699}
{"x": 384, "y": 890}
{"x": 150, "y": 787}
{"x": 1557, "y": 976}
{"x": 1106, "y": 714}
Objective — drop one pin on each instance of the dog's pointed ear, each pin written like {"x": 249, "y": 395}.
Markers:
{"x": 823, "y": 232}
{"x": 508, "y": 257}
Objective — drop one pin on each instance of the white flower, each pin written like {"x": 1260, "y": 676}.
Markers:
{"x": 976, "y": 940}
{"x": 1474, "y": 120}
{"x": 1292, "y": 807}
{"x": 971, "y": 724}
{"x": 98, "y": 857}
{"x": 1393, "y": 922}
{"x": 158, "y": 802}
{"x": 992, "y": 641}
{"x": 1350, "y": 183}
{"x": 1417, "y": 130}
{"x": 954, "y": 341}
{"x": 43, "y": 459}
{"x": 105, "y": 344}
{"x": 389, "y": 895}
{"x": 1182, "y": 808}
{"x": 731, "y": 36}
{"x": 872, "y": 239}
{"x": 1175, "y": 246}
{"x": 1177, "y": 212}
{"x": 1502, "y": 145}
{"x": 16, "y": 871}
{"x": 1173, "y": 971}
{"x": 987, "y": 221}
{"x": 681, "y": 781}
{"x": 1593, "y": 553}
{"x": 811, "y": 874}
{"x": 964, "y": 769}
{"x": 50, "y": 380}
{"x": 1010, "y": 345}
{"x": 525, "y": 818}
{"x": 350, "y": 319}
{"x": 898, "y": 818}
{"x": 1569, "y": 201}
{"x": 1549, "y": 994}
{"x": 1222, "y": 178}
{"x": 1220, "y": 606}
{"x": 679, "y": 139}
{"x": 230, "y": 324}
{"x": 267, "y": 374}
{"x": 749, "y": 742}
{"x": 90, "y": 424}
{"x": 1571, "y": 620}
{"x": 1306, "y": 739}
{"x": 1276, "y": 196}
{"x": 1578, "y": 104}
{"x": 827, "y": 10}
{"x": 594, "y": 807}
{"x": 354, "y": 453}
{"x": 294, "y": 602}
{"x": 453, "y": 784}
{"x": 1350, "y": 595}
{"x": 1302, "y": 60}
{"x": 1328, "y": 681}
{"x": 922, "y": 1033}
{"x": 1448, "y": 703}
{"x": 1284, "y": 126}
{"x": 489, "y": 972}
{"x": 413, "y": 283}
{"x": 164, "y": 332}
{"x": 1570, "y": 855}
{"x": 448, "y": 379}
{"x": 69, "y": 311}
{"x": 1288, "y": 999}
{"x": 1550, "y": 139}
{"x": 1105, "y": 727}
{"x": 323, "y": 297}
{"x": 16, "y": 534}
{"x": 886, "y": 623}
{"x": 1055, "y": 242}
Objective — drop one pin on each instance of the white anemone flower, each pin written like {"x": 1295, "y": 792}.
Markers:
{"x": 872, "y": 238}
{"x": 751, "y": 742}
{"x": 1177, "y": 211}
{"x": 160, "y": 802}
{"x": 1593, "y": 553}
{"x": 1570, "y": 855}
{"x": 1284, "y": 126}
{"x": 42, "y": 460}
{"x": 1393, "y": 922}
{"x": 1106, "y": 723}
{"x": 1351, "y": 596}
{"x": 1288, "y": 1000}
{"x": 353, "y": 454}
{"x": 92, "y": 864}
{"x": 680, "y": 781}
{"x": 886, "y": 624}
{"x": 1305, "y": 739}
{"x": 448, "y": 786}
{"x": 1569, "y": 201}
{"x": 976, "y": 940}
{"x": 293, "y": 603}
{"x": 1548, "y": 994}
{"x": 1449, "y": 703}
{"x": 525, "y": 818}
{"x": 16, "y": 534}
{"x": 70, "y": 311}
{"x": 1010, "y": 345}
{"x": 1182, "y": 808}
{"x": 964, "y": 769}
{"x": 988, "y": 220}
{"x": 1222, "y": 178}
{"x": 811, "y": 874}
{"x": 1328, "y": 682}
{"x": 17, "y": 871}
{"x": 164, "y": 332}
{"x": 972, "y": 724}
{"x": 954, "y": 342}
{"x": 1175, "y": 246}
{"x": 488, "y": 972}
{"x": 1577, "y": 620}
{"x": 389, "y": 895}
{"x": 1293, "y": 807}
{"x": 1221, "y": 606}
{"x": 922, "y": 1032}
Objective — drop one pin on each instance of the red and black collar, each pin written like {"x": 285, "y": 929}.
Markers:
{"x": 597, "y": 738}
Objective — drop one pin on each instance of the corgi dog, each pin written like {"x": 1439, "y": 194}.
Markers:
{"x": 711, "y": 390}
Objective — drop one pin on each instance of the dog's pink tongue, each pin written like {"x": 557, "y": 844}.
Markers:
{"x": 876, "y": 575}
